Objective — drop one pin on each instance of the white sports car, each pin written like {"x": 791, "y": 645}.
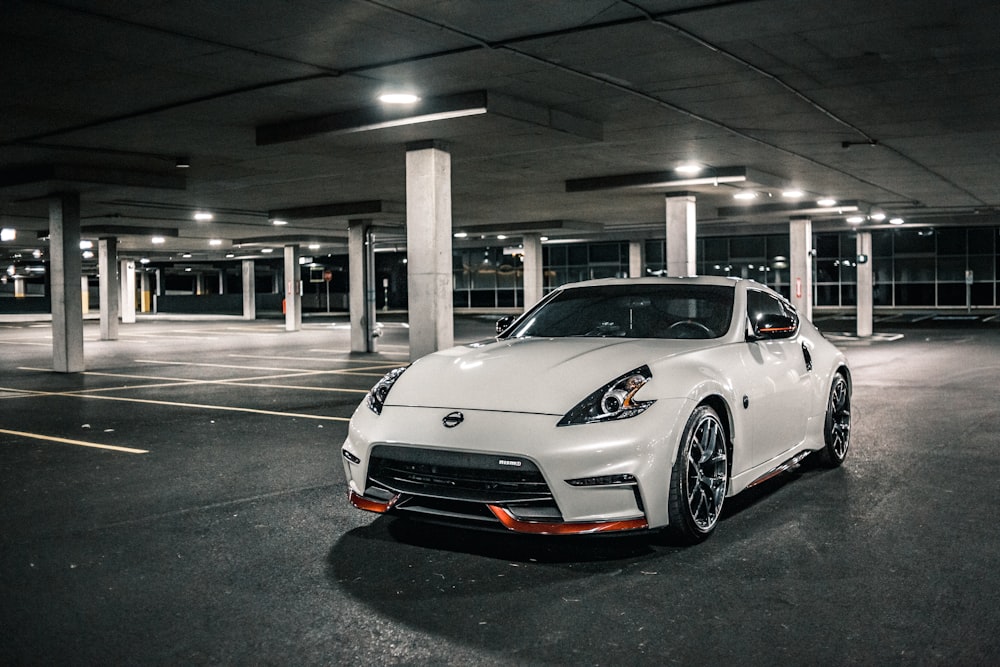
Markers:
{"x": 612, "y": 405}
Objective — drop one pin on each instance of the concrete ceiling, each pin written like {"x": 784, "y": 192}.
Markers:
{"x": 891, "y": 104}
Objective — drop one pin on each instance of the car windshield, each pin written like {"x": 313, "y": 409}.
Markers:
{"x": 633, "y": 311}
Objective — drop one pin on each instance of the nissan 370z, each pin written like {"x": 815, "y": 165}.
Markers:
{"x": 612, "y": 405}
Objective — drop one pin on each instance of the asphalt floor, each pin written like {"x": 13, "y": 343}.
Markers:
{"x": 183, "y": 502}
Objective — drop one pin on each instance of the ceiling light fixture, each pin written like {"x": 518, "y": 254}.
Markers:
{"x": 826, "y": 201}
{"x": 203, "y": 216}
{"x": 745, "y": 195}
{"x": 8, "y": 234}
{"x": 792, "y": 194}
{"x": 896, "y": 221}
{"x": 267, "y": 250}
{"x": 856, "y": 219}
{"x": 158, "y": 240}
{"x": 688, "y": 169}
{"x": 182, "y": 163}
{"x": 461, "y": 235}
{"x": 279, "y": 222}
{"x": 215, "y": 242}
{"x": 399, "y": 98}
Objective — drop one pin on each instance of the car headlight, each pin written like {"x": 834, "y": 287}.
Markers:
{"x": 376, "y": 397}
{"x": 615, "y": 400}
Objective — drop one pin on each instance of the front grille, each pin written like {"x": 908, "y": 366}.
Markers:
{"x": 477, "y": 478}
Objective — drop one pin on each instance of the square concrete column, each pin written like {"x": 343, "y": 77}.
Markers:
{"x": 127, "y": 292}
{"x": 361, "y": 276}
{"x": 681, "y": 236}
{"x": 636, "y": 259}
{"x": 428, "y": 248}
{"x": 293, "y": 290}
{"x": 67, "y": 297}
{"x": 145, "y": 291}
{"x": 866, "y": 284}
{"x": 107, "y": 276}
{"x": 249, "y": 290}
{"x": 85, "y": 294}
{"x": 800, "y": 267}
{"x": 534, "y": 275}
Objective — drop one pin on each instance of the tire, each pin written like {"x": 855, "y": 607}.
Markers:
{"x": 837, "y": 427}
{"x": 699, "y": 479}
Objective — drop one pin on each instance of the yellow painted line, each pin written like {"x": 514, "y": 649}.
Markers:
{"x": 78, "y": 443}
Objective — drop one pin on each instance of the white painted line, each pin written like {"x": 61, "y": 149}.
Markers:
{"x": 78, "y": 443}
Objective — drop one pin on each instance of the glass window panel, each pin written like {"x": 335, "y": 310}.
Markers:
{"x": 778, "y": 246}
{"x": 827, "y": 270}
{"x": 576, "y": 253}
{"x": 983, "y": 294}
{"x": 982, "y": 240}
{"x": 655, "y": 254}
{"x": 951, "y": 269}
{"x": 915, "y": 294}
{"x": 605, "y": 252}
{"x": 914, "y": 270}
{"x": 951, "y": 241}
{"x": 748, "y": 247}
{"x": 882, "y": 244}
{"x": 827, "y": 245}
{"x": 913, "y": 241}
{"x": 982, "y": 267}
{"x": 716, "y": 249}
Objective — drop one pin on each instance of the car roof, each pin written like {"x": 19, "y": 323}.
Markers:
{"x": 654, "y": 280}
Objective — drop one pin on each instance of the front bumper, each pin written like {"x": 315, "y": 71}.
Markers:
{"x": 514, "y": 471}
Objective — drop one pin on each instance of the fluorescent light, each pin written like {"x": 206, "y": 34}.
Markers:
{"x": 8, "y": 234}
{"x": 826, "y": 201}
{"x": 313, "y": 246}
{"x": 276, "y": 221}
{"x": 461, "y": 235}
{"x": 746, "y": 194}
{"x": 688, "y": 169}
{"x": 215, "y": 242}
{"x": 413, "y": 120}
{"x": 202, "y": 216}
{"x": 398, "y": 98}
{"x": 501, "y": 237}
{"x": 158, "y": 240}
{"x": 792, "y": 194}
{"x": 86, "y": 245}
{"x": 267, "y": 250}
{"x": 856, "y": 219}
{"x": 186, "y": 255}
{"x": 144, "y": 260}
{"x": 88, "y": 254}
{"x": 896, "y": 221}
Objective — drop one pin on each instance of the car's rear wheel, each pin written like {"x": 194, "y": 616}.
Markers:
{"x": 837, "y": 427}
{"x": 700, "y": 477}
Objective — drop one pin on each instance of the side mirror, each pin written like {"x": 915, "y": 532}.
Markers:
{"x": 771, "y": 327}
{"x": 504, "y": 323}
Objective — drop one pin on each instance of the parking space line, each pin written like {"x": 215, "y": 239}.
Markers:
{"x": 243, "y": 382}
{"x": 78, "y": 443}
{"x": 352, "y": 371}
{"x": 88, "y": 393}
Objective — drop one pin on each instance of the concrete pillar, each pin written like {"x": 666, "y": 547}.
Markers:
{"x": 865, "y": 273}
{"x": 67, "y": 268}
{"x": 534, "y": 276}
{"x": 636, "y": 259}
{"x": 800, "y": 265}
{"x": 428, "y": 242}
{"x": 127, "y": 292}
{"x": 681, "y": 236}
{"x": 361, "y": 279}
{"x": 249, "y": 290}
{"x": 293, "y": 290}
{"x": 107, "y": 275}
{"x": 85, "y": 294}
{"x": 145, "y": 302}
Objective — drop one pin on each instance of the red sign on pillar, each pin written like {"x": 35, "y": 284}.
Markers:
{"x": 798, "y": 288}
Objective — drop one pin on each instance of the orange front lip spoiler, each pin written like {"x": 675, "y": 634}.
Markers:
{"x": 545, "y": 528}
{"x": 376, "y": 506}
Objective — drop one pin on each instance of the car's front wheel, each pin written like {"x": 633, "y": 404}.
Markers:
{"x": 837, "y": 427}
{"x": 700, "y": 477}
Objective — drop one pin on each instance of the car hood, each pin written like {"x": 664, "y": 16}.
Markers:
{"x": 536, "y": 375}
